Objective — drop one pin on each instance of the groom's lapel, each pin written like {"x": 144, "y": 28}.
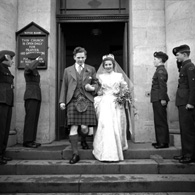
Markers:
{"x": 86, "y": 72}
{"x": 72, "y": 72}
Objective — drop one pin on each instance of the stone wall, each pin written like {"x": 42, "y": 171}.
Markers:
{"x": 42, "y": 12}
{"x": 147, "y": 36}
{"x": 180, "y": 29}
{"x": 8, "y": 26}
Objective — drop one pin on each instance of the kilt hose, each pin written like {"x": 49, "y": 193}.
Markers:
{"x": 87, "y": 118}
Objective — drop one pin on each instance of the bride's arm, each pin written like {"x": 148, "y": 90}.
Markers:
{"x": 100, "y": 90}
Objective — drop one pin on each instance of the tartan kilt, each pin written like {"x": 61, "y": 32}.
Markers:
{"x": 87, "y": 118}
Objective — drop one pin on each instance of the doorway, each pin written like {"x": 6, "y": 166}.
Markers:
{"x": 98, "y": 38}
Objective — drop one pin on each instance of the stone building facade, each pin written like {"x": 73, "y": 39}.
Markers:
{"x": 151, "y": 25}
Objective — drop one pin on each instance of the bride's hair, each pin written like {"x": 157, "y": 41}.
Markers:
{"x": 116, "y": 68}
{"x": 109, "y": 57}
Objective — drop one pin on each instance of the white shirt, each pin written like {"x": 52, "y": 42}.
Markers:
{"x": 77, "y": 66}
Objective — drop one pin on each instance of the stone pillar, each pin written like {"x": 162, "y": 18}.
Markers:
{"x": 8, "y": 25}
{"x": 180, "y": 29}
{"x": 147, "y": 35}
{"x": 42, "y": 13}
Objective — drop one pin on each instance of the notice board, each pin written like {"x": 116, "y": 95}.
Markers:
{"x": 32, "y": 39}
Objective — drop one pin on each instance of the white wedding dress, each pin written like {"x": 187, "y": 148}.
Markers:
{"x": 110, "y": 137}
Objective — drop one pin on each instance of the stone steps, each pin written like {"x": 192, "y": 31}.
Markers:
{"x": 63, "y": 151}
{"x": 144, "y": 171}
{"x": 97, "y": 183}
{"x": 136, "y": 166}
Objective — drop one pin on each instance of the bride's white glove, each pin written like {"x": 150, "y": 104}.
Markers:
{"x": 62, "y": 106}
{"x": 89, "y": 87}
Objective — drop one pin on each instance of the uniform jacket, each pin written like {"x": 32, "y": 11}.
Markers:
{"x": 159, "y": 85}
{"x": 186, "y": 84}
{"x": 6, "y": 84}
{"x": 32, "y": 78}
{"x": 69, "y": 83}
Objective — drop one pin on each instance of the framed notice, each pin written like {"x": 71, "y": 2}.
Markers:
{"x": 32, "y": 39}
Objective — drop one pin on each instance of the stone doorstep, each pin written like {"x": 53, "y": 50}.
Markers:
{"x": 97, "y": 183}
{"x": 135, "y": 151}
{"x": 136, "y": 166}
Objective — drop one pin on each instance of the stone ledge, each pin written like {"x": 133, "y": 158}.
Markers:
{"x": 97, "y": 183}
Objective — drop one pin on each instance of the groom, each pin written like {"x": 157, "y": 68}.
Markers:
{"x": 78, "y": 88}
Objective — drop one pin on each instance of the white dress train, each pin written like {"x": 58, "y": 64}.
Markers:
{"x": 110, "y": 137}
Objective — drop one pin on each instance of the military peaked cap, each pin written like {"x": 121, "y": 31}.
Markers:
{"x": 161, "y": 55}
{"x": 33, "y": 56}
{"x": 7, "y": 52}
{"x": 181, "y": 48}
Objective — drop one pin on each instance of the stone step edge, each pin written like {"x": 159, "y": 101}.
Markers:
{"x": 29, "y": 154}
{"x": 97, "y": 183}
{"x": 135, "y": 166}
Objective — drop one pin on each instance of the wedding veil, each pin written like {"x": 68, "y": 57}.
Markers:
{"x": 117, "y": 69}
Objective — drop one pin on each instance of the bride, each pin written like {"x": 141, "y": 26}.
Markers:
{"x": 110, "y": 137}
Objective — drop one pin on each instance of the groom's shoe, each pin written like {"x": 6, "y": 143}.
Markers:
{"x": 84, "y": 145}
{"x": 75, "y": 158}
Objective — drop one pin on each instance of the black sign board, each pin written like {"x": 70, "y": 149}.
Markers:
{"x": 32, "y": 39}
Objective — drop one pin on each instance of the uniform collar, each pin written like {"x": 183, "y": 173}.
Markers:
{"x": 160, "y": 66}
{"x": 186, "y": 62}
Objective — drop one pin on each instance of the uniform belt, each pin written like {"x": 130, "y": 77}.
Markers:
{"x": 7, "y": 85}
{"x": 33, "y": 83}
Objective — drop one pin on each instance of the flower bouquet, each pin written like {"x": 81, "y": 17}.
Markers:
{"x": 124, "y": 97}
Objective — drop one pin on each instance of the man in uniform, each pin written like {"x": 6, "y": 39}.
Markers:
{"x": 185, "y": 101}
{"x": 159, "y": 99}
{"x": 32, "y": 98}
{"x": 6, "y": 101}
{"x": 77, "y": 91}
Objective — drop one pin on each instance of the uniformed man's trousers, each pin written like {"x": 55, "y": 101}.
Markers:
{"x": 5, "y": 122}
{"x": 32, "y": 108}
{"x": 160, "y": 123}
{"x": 187, "y": 130}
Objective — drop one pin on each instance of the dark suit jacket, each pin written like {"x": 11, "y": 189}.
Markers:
{"x": 186, "y": 87}
{"x": 6, "y": 84}
{"x": 70, "y": 82}
{"x": 32, "y": 78}
{"x": 159, "y": 85}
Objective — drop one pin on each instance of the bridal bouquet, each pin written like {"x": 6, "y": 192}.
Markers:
{"x": 125, "y": 96}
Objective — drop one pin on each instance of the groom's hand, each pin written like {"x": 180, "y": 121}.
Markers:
{"x": 89, "y": 87}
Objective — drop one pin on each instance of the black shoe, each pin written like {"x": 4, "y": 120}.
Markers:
{"x": 75, "y": 158}
{"x": 6, "y": 158}
{"x": 29, "y": 145}
{"x": 37, "y": 144}
{"x": 154, "y": 144}
{"x": 178, "y": 157}
{"x": 159, "y": 146}
{"x": 84, "y": 145}
{"x": 187, "y": 160}
{"x": 2, "y": 161}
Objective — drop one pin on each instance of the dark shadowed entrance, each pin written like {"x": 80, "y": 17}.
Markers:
{"x": 98, "y": 39}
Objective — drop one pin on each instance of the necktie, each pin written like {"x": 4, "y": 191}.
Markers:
{"x": 80, "y": 69}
